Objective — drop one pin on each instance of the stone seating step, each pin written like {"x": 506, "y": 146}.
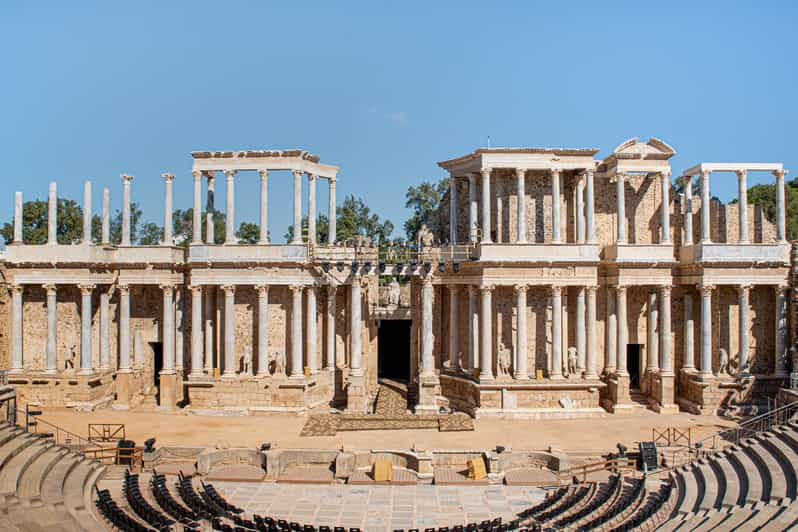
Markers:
{"x": 785, "y": 456}
{"x": 712, "y": 485}
{"x": 762, "y": 519}
{"x": 739, "y": 518}
{"x": 789, "y": 435}
{"x": 44, "y": 518}
{"x": 75, "y": 483}
{"x": 755, "y": 483}
{"x": 11, "y": 472}
{"x": 52, "y": 492}
{"x": 693, "y": 490}
{"x": 16, "y": 445}
{"x": 30, "y": 483}
{"x": 712, "y": 521}
{"x": 769, "y": 467}
{"x": 731, "y": 481}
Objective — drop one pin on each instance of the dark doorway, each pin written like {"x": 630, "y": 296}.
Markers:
{"x": 393, "y": 350}
{"x": 157, "y": 361}
{"x": 633, "y": 364}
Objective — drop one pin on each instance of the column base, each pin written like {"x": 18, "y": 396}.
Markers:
{"x": 123, "y": 383}
{"x": 86, "y": 372}
{"x": 230, "y": 376}
{"x": 357, "y": 400}
{"x": 167, "y": 391}
{"x": 429, "y": 387}
{"x": 558, "y": 377}
{"x": 521, "y": 377}
{"x": 51, "y": 371}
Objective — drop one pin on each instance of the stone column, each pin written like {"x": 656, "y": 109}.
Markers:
{"x": 452, "y": 210}
{"x": 781, "y": 211}
{"x": 473, "y": 326}
{"x": 590, "y": 208}
{"x": 581, "y": 341}
{"x": 311, "y": 208}
{"x": 16, "y": 328}
{"x": 330, "y": 331}
{"x": 263, "y": 329}
{"x": 85, "y": 329}
{"x": 689, "y": 331}
{"x": 230, "y": 211}
{"x": 486, "y": 205}
{"x": 52, "y": 329}
{"x": 623, "y": 334}
{"x": 86, "y": 212}
{"x": 297, "y": 236}
{"x": 311, "y": 349}
{"x": 473, "y": 226}
{"x": 781, "y": 363}
{"x": 521, "y": 369}
{"x": 179, "y": 350}
{"x": 486, "y": 342}
{"x": 652, "y": 346}
{"x": 229, "y": 331}
{"x": 296, "y": 332}
{"x": 706, "y": 329}
{"x": 196, "y": 331}
{"x": 168, "y": 330}
{"x": 705, "y": 229}
{"x": 332, "y": 214}
{"x": 742, "y": 205}
{"x": 590, "y": 371}
{"x": 612, "y": 333}
{"x": 168, "y": 181}
{"x": 665, "y": 351}
{"x": 688, "y": 210}
{"x": 18, "y": 218}
{"x": 454, "y": 328}
{"x": 52, "y": 214}
{"x": 196, "y": 225}
{"x": 555, "y": 371}
{"x": 620, "y": 194}
{"x": 520, "y": 174}
{"x": 665, "y": 208}
{"x": 210, "y": 230}
{"x": 105, "y": 330}
{"x": 580, "y": 212}
{"x": 556, "y": 220}
{"x": 124, "y": 328}
{"x": 263, "y": 238}
{"x": 210, "y": 312}
{"x": 126, "y": 180}
{"x": 743, "y": 292}
{"x": 105, "y": 232}
{"x": 427, "y": 360}
{"x": 356, "y": 355}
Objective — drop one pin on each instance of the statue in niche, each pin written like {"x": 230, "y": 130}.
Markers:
{"x": 394, "y": 292}
{"x": 69, "y": 363}
{"x": 246, "y": 361}
{"x": 425, "y": 237}
{"x": 723, "y": 367}
{"x": 572, "y": 358}
{"x": 505, "y": 360}
{"x": 278, "y": 363}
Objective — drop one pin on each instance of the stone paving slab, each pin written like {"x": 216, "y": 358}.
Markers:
{"x": 381, "y": 508}
{"x": 401, "y": 477}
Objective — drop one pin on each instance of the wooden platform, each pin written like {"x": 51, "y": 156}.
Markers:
{"x": 401, "y": 477}
{"x": 452, "y": 477}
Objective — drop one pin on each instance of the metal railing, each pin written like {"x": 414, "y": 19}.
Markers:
{"x": 748, "y": 428}
{"x": 615, "y": 465}
{"x": 105, "y": 432}
{"x": 127, "y": 456}
{"x": 60, "y": 435}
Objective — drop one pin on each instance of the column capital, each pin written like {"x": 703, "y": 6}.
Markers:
{"x": 555, "y": 171}
{"x": 486, "y": 288}
{"x": 50, "y": 288}
{"x": 743, "y": 288}
{"x": 262, "y": 289}
{"x": 665, "y": 174}
{"x": 705, "y": 174}
{"x": 453, "y": 288}
{"x": 426, "y": 280}
{"x": 556, "y": 290}
{"x": 195, "y": 288}
{"x": 741, "y": 174}
{"x": 123, "y": 289}
{"x": 619, "y": 176}
{"x": 86, "y": 289}
{"x": 332, "y": 288}
{"x": 229, "y": 174}
{"x": 16, "y": 288}
{"x": 591, "y": 288}
{"x": 209, "y": 174}
{"x": 297, "y": 173}
{"x": 167, "y": 288}
{"x": 311, "y": 287}
{"x": 311, "y": 177}
{"x": 197, "y": 175}
{"x": 331, "y": 181}
{"x": 520, "y": 288}
{"x": 472, "y": 290}
{"x": 779, "y": 288}
{"x": 621, "y": 289}
{"x": 168, "y": 177}
{"x": 705, "y": 289}
{"x": 780, "y": 173}
{"x": 263, "y": 173}
{"x": 126, "y": 178}
{"x": 296, "y": 289}
{"x": 665, "y": 289}
{"x": 229, "y": 289}
{"x": 485, "y": 172}
{"x": 587, "y": 172}
{"x": 520, "y": 172}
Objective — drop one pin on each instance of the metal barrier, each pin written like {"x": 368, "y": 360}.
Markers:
{"x": 672, "y": 436}
{"x": 106, "y": 432}
{"x": 615, "y": 465}
{"x": 748, "y": 428}
{"x": 60, "y": 436}
{"x": 132, "y": 457}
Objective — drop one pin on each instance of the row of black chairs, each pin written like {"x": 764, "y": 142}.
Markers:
{"x": 547, "y": 503}
{"x": 140, "y": 505}
{"x": 189, "y": 496}
{"x": 210, "y": 494}
{"x": 597, "y": 502}
{"x": 646, "y": 512}
{"x": 165, "y": 500}
{"x": 574, "y": 498}
{"x": 622, "y": 503}
{"x": 116, "y": 515}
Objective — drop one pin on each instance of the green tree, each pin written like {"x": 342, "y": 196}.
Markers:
{"x": 151, "y": 234}
{"x": 765, "y": 197}
{"x": 353, "y": 217}
{"x": 425, "y": 200}
{"x": 34, "y": 223}
{"x": 248, "y": 233}
{"x": 115, "y": 226}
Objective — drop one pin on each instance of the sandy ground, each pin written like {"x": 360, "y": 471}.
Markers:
{"x": 597, "y": 434}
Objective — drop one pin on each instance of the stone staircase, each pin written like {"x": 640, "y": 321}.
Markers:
{"x": 44, "y": 486}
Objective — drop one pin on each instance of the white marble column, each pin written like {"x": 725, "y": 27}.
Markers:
{"x": 623, "y": 331}
{"x": 581, "y": 341}
{"x": 168, "y": 182}
{"x": 743, "y": 293}
{"x": 230, "y": 210}
{"x": 52, "y": 214}
{"x": 521, "y": 369}
{"x": 665, "y": 208}
{"x": 52, "y": 329}
{"x": 168, "y": 330}
{"x": 555, "y": 371}
{"x": 16, "y": 328}
{"x": 689, "y": 331}
{"x": 297, "y": 236}
{"x": 781, "y": 211}
{"x": 742, "y": 206}
{"x": 590, "y": 208}
{"x": 620, "y": 199}
{"x": 297, "y": 371}
{"x": 611, "y": 354}
{"x": 196, "y": 330}
{"x": 263, "y": 237}
{"x": 486, "y": 239}
{"x": 473, "y": 326}
{"x": 196, "y": 218}
{"x": 311, "y": 349}
{"x": 590, "y": 370}
{"x": 706, "y": 329}
{"x": 179, "y": 350}
{"x": 332, "y": 214}
{"x": 85, "y": 329}
{"x": 126, "y": 229}
{"x": 263, "y": 329}
{"x": 210, "y": 228}
{"x": 311, "y": 208}
{"x": 781, "y": 363}
{"x": 580, "y": 211}
{"x": 105, "y": 329}
{"x": 665, "y": 351}
{"x": 18, "y": 218}
{"x": 452, "y": 210}
{"x": 355, "y": 351}
{"x": 473, "y": 226}
{"x": 229, "y": 331}
{"x": 652, "y": 346}
{"x": 688, "y": 210}
{"x": 210, "y": 313}
{"x": 705, "y": 199}
{"x": 427, "y": 360}
{"x": 86, "y": 212}
{"x": 124, "y": 328}
{"x": 556, "y": 201}
{"x": 454, "y": 327}
{"x": 520, "y": 176}
{"x": 486, "y": 340}
{"x": 330, "y": 331}
{"x": 105, "y": 227}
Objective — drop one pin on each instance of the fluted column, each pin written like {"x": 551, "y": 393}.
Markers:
{"x": 311, "y": 349}
{"x": 581, "y": 341}
{"x": 105, "y": 329}
{"x": 85, "y": 329}
{"x": 590, "y": 370}
{"x": 230, "y": 211}
{"x": 556, "y": 220}
{"x": 263, "y": 329}
{"x": 665, "y": 351}
{"x": 168, "y": 330}
{"x": 16, "y": 328}
{"x": 427, "y": 360}
{"x": 486, "y": 205}
{"x": 665, "y": 208}
{"x": 86, "y": 212}
{"x": 689, "y": 331}
{"x": 229, "y": 331}
{"x": 263, "y": 237}
{"x": 297, "y": 236}
{"x": 555, "y": 371}
{"x": 620, "y": 195}
{"x": 210, "y": 312}
{"x": 296, "y": 332}
{"x": 781, "y": 364}
{"x": 126, "y": 180}
{"x": 196, "y": 218}
{"x": 452, "y": 210}
{"x": 473, "y": 226}
{"x": 688, "y": 210}
{"x": 196, "y": 330}
{"x": 623, "y": 331}
{"x": 580, "y": 211}
{"x": 473, "y": 327}
{"x": 590, "y": 208}
{"x": 356, "y": 354}
{"x": 52, "y": 214}
{"x": 210, "y": 228}
{"x": 332, "y": 213}
{"x": 705, "y": 228}
{"x": 178, "y": 328}
{"x": 781, "y": 211}
{"x": 521, "y": 369}
{"x": 520, "y": 175}
{"x": 454, "y": 327}
{"x": 611, "y": 353}
{"x": 743, "y": 292}
{"x": 486, "y": 341}
{"x": 742, "y": 205}
{"x": 52, "y": 329}
{"x": 653, "y": 337}
{"x": 706, "y": 329}
{"x": 105, "y": 226}
{"x": 168, "y": 180}
{"x": 18, "y": 239}
{"x": 124, "y": 328}
{"x": 311, "y": 208}
{"x": 330, "y": 331}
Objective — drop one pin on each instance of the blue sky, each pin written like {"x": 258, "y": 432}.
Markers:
{"x": 385, "y": 90}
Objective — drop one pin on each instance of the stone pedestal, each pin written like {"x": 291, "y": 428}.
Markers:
{"x": 124, "y": 388}
{"x": 429, "y": 387}
{"x": 357, "y": 398}
{"x": 618, "y": 400}
{"x": 665, "y": 394}
{"x": 168, "y": 391}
